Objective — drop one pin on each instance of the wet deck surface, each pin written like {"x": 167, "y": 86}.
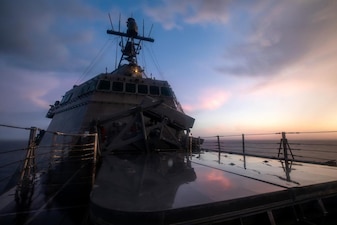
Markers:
{"x": 143, "y": 184}
{"x": 168, "y": 184}
{"x": 58, "y": 197}
{"x": 276, "y": 172}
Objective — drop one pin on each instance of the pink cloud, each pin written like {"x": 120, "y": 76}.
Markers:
{"x": 209, "y": 100}
{"x": 26, "y": 90}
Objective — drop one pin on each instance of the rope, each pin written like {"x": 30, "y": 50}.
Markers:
{"x": 94, "y": 61}
{"x": 155, "y": 61}
{"x": 13, "y": 150}
{"x": 311, "y": 132}
{"x": 272, "y": 133}
{"x": 16, "y": 127}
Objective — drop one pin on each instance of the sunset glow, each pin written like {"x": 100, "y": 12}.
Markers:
{"x": 236, "y": 67}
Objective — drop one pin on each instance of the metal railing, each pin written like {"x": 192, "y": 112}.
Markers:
{"x": 20, "y": 167}
{"x": 313, "y": 147}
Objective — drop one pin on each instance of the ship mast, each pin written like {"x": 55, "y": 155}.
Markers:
{"x": 131, "y": 49}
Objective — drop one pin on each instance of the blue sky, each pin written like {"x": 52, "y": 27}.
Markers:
{"x": 235, "y": 66}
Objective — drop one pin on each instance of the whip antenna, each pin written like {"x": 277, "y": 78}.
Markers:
{"x": 150, "y": 30}
{"x": 119, "y": 23}
{"x": 112, "y": 27}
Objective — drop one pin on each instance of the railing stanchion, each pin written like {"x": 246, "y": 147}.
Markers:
{"x": 285, "y": 154}
{"x": 28, "y": 172}
{"x": 95, "y": 159}
{"x": 219, "y": 147}
{"x": 199, "y": 148}
{"x": 244, "y": 151}
{"x": 190, "y": 144}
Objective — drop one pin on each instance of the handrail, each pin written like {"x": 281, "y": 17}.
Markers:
{"x": 15, "y": 127}
{"x": 35, "y": 159}
{"x": 270, "y": 145}
{"x": 254, "y": 144}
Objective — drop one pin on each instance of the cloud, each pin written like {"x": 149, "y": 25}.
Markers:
{"x": 171, "y": 14}
{"x": 26, "y": 91}
{"x": 207, "y": 100}
{"x": 283, "y": 34}
{"x": 45, "y": 35}
{"x": 271, "y": 35}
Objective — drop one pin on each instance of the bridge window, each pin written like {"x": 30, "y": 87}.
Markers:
{"x": 166, "y": 91}
{"x": 142, "y": 89}
{"x": 66, "y": 98}
{"x": 154, "y": 90}
{"x": 131, "y": 88}
{"x": 104, "y": 85}
{"x": 84, "y": 89}
{"x": 92, "y": 85}
{"x": 117, "y": 86}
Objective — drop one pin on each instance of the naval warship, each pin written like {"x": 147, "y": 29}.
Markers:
{"x": 118, "y": 150}
{"x": 130, "y": 111}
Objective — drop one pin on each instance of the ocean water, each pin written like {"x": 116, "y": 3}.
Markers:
{"x": 12, "y": 153}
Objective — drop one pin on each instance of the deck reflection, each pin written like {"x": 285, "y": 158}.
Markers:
{"x": 165, "y": 188}
{"x": 272, "y": 171}
{"x": 170, "y": 188}
{"x": 142, "y": 182}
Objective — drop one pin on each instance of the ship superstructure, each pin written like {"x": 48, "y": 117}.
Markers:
{"x": 129, "y": 110}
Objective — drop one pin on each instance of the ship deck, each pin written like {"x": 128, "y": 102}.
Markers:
{"x": 163, "y": 188}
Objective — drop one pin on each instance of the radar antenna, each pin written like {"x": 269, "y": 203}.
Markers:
{"x": 130, "y": 49}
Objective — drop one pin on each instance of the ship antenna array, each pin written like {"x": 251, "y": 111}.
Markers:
{"x": 150, "y": 30}
{"x": 112, "y": 27}
{"x": 122, "y": 34}
{"x": 119, "y": 23}
{"x": 130, "y": 49}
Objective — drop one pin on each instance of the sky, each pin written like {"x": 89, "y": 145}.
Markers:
{"x": 235, "y": 66}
